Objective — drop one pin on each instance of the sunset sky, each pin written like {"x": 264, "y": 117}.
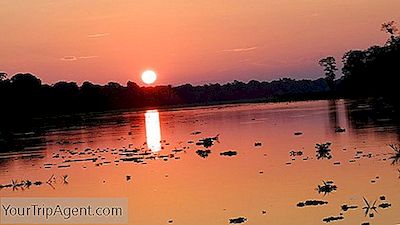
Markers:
{"x": 184, "y": 41}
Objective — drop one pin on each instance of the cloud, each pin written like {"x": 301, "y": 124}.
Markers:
{"x": 98, "y": 35}
{"x": 240, "y": 49}
{"x": 75, "y": 58}
{"x": 88, "y": 57}
{"x": 69, "y": 58}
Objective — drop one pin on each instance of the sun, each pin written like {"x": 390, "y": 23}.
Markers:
{"x": 149, "y": 76}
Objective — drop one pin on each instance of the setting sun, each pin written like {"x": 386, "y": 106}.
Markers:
{"x": 149, "y": 76}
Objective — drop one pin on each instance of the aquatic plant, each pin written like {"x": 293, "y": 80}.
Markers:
{"x": 327, "y": 187}
{"x": 347, "y": 207}
{"x": 238, "y": 220}
{"x": 332, "y": 218}
{"x": 369, "y": 207}
{"x": 65, "y": 177}
{"x": 203, "y": 153}
{"x": 295, "y": 153}
{"x": 208, "y": 142}
{"x": 384, "y": 205}
{"x": 228, "y": 153}
{"x": 395, "y": 155}
{"x": 323, "y": 151}
{"x": 339, "y": 130}
{"x": 311, "y": 203}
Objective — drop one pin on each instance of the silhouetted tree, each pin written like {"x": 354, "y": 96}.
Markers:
{"x": 390, "y": 28}
{"x": 26, "y": 81}
{"x": 373, "y": 72}
{"x": 329, "y": 65}
{"x": 3, "y": 76}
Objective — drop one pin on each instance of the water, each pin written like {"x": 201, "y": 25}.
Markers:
{"x": 169, "y": 181}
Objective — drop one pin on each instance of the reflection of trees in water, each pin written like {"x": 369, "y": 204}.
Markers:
{"x": 372, "y": 113}
{"x": 4, "y": 162}
{"x": 333, "y": 115}
{"x": 32, "y": 133}
{"x": 18, "y": 141}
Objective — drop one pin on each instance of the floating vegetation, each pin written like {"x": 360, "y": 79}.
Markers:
{"x": 332, "y": 218}
{"x": 228, "y": 153}
{"x": 65, "y": 179}
{"x": 295, "y": 153}
{"x": 208, "y": 142}
{"x": 132, "y": 159}
{"x": 395, "y": 155}
{"x": 203, "y": 153}
{"x": 384, "y": 205}
{"x": 237, "y": 220}
{"x": 24, "y": 184}
{"x": 369, "y": 208}
{"x": 323, "y": 151}
{"x": 311, "y": 203}
{"x": 257, "y": 144}
{"x": 347, "y": 207}
{"x": 339, "y": 130}
{"x": 64, "y": 166}
{"x": 327, "y": 187}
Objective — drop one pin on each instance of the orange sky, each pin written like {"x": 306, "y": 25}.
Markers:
{"x": 185, "y": 41}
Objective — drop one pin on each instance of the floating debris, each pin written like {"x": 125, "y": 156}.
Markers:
{"x": 298, "y": 133}
{"x": 327, "y": 187}
{"x": 339, "y": 130}
{"x": 208, "y": 142}
{"x": 128, "y": 177}
{"x": 64, "y": 166}
{"x": 311, "y": 203}
{"x": 257, "y": 144}
{"x": 295, "y": 153}
{"x": 238, "y": 220}
{"x": 384, "y": 205}
{"x": 382, "y": 198}
{"x": 196, "y": 133}
{"x": 177, "y": 150}
{"x": 264, "y": 212}
{"x": 203, "y": 153}
{"x": 323, "y": 151}
{"x": 332, "y": 218}
{"x": 347, "y": 207}
{"x": 228, "y": 153}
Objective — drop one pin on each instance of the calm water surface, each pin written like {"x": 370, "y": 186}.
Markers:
{"x": 169, "y": 181}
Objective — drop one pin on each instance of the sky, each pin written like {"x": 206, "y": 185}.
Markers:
{"x": 184, "y": 41}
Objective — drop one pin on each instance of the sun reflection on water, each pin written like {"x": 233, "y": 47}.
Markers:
{"x": 153, "y": 131}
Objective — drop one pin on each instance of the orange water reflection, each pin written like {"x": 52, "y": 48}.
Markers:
{"x": 193, "y": 190}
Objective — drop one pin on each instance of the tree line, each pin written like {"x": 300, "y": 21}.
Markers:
{"x": 24, "y": 94}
